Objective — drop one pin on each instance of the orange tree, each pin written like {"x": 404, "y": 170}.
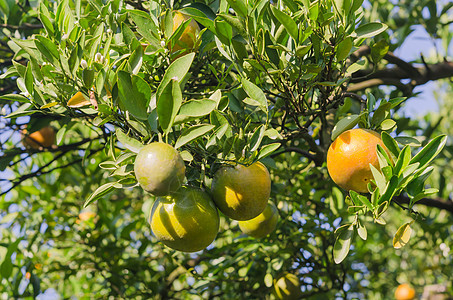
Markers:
{"x": 235, "y": 83}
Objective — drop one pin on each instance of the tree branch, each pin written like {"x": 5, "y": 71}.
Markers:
{"x": 430, "y": 202}
{"x": 392, "y": 76}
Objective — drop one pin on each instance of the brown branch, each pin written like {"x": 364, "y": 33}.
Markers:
{"x": 392, "y": 76}
{"x": 40, "y": 171}
{"x": 430, "y": 202}
{"x": 302, "y": 152}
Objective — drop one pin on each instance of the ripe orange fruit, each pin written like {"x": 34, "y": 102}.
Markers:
{"x": 159, "y": 169}
{"x": 404, "y": 292}
{"x": 85, "y": 216}
{"x": 43, "y": 138}
{"x": 187, "y": 40}
{"x": 241, "y": 192}
{"x": 263, "y": 224}
{"x": 349, "y": 158}
{"x": 287, "y": 287}
{"x": 187, "y": 220}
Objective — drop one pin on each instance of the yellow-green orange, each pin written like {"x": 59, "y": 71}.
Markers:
{"x": 159, "y": 169}
{"x": 287, "y": 287}
{"x": 44, "y": 137}
{"x": 404, "y": 292}
{"x": 187, "y": 40}
{"x": 241, "y": 192}
{"x": 186, "y": 221}
{"x": 263, "y": 224}
{"x": 349, "y": 158}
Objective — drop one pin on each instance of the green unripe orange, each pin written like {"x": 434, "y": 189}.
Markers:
{"x": 241, "y": 192}
{"x": 159, "y": 169}
{"x": 263, "y": 224}
{"x": 187, "y": 220}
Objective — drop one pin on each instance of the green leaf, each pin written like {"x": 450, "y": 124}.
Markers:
{"x": 379, "y": 50}
{"x": 176, "y": 71}
{"x": 402, "y": 235}
{"x": 168, "y": 105}
{"x": 342, "y": 6}
{"x": 391, "y": 145}
{"x": 145, "y": 26}
{"x": 403, "y": 161}
{"x": 370, "y": 29}
{"x": 14, "y": 97}
{"x": 6, "y": 268}
{"x": 344, "y": 48}
{"x": 342, "y": 244}
{"x": 431, "y": 150}
{"x": 134, "y": 100}
{"x": 360, "y": 199}
{"x": 383, "y": 157}
{"x": 128, "y": 142}
{"x": 49, "y": 45}
{"x": 287, "y": 21}
{"x": 267, "y": 150}
{"x": 257, "y": 137}
{"x": 197, "y": 108}
{"x": 408, "y": 141}
{"x": 388, "y": 124}
{"x": 268, "y": 280}
{"x": 239, "y": 6}
{"x": 381, "y": 113}
{"x": 101, "y": 191}
{"x": 416, "y": 185}
{"x": 135, "y": 61}
{"x": 410, "y": 169}
{"x": 345, "y": 124}
{"x": 218, "y": 134}
{"x": 390, "y": 190}
{"x": 378, "y": 178}
{"x": 236, "y": 23}
{"x": 192, "y": 133}
{"x": 255, "y": 93}
{"x": 361, "y": 231}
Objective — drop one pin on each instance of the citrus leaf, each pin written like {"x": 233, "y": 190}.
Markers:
{"x": 168, "y": 105}
{"x": 197, "y": 108}
{"x": 344, "y": 48}
{"x": 128, "y": 142}
{"x": 193, "y": 133}
{"x": 342, "y": 244}
{"x": 388, "y": 124}
{"x": 402, "y": 235}
{"x": 403, "y": 161}
{"x": 218, "y": 134}
{"x": 391, "y": 145}
{"x": 134, "y": 100}
{"x": 361, "y": 231}
{"x": 176, "y": 71}
{"x": 255, "y": 93}
{"x": 408, "y": 141}
{"x": 239, "y": 6}
{"x": 378, "y": 178}
{"x": 14, "y": 97}
{"x": 425, "y": 155}
{"x": 101, "y": 191}
{"x": 268, "y": 150}
{"x": 370, "y": 29}
{"x": 287, "y": 21}
{"x": 345, "y": 124}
